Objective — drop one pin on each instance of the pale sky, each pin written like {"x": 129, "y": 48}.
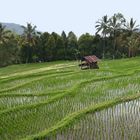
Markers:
{"x": 78, "y": 16}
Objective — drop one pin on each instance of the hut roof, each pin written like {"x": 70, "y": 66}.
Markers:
{"x": 91, "y": 59}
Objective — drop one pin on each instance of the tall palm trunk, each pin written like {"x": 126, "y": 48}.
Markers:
{"x": 104, "y": 46}
{"x": 27, "y": 57}
{"x": 114, "y": 45}
{"x": 129, "y": 52}
{"x": 103, "y": 49}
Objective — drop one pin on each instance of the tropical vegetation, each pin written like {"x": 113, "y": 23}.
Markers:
{"x": 115, "y": 37}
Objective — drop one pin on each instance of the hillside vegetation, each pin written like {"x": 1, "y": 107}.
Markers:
{"x": 59, "y": 101}
{"x": 116, "y": 37}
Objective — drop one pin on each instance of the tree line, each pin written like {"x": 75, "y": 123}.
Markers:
{"x": 115, "y": 37}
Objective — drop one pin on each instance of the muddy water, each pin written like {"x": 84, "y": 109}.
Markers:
{"x": 121, "y": 122}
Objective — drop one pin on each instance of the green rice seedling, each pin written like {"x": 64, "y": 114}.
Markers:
{"x": 44, "y": 96}
{"x": 17, "y": 84}
{"x": 63, "y": 107}
{"x": 14, "y": 101}
{"x": 118, "y": 122}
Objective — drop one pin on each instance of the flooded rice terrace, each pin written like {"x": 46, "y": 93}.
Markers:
{"x": 120, "y": 122}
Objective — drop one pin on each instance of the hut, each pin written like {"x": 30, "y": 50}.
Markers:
{"x": 89, "y": 62}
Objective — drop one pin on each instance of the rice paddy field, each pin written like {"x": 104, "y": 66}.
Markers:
{"x": 59, "y": 101}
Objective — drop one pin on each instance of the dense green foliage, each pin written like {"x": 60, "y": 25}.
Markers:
{"x": 49, "y": 100}
{"x": 115, "y": 38}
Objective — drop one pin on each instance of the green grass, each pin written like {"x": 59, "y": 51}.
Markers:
{"x": 36, "y": 100}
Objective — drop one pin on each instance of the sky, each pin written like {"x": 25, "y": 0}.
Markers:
{"x": 79, "y": 16}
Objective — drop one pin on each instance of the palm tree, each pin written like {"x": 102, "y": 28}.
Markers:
{"x": 29, "y": 34}
{"x": 29, "y": 38}
{"x": 133, "y": 37}
{"x": 131, "y": 26}
{"x": 133, "y": 42}
{"x": 116, "y": 23}
{"x": 102, "y": 26}
{"x": 4, "y": 34}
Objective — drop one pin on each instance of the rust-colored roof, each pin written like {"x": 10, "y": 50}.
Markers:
{"x": 91, "y": 58}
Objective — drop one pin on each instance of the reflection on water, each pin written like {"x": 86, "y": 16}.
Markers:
{"x": 121, "y": 122}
